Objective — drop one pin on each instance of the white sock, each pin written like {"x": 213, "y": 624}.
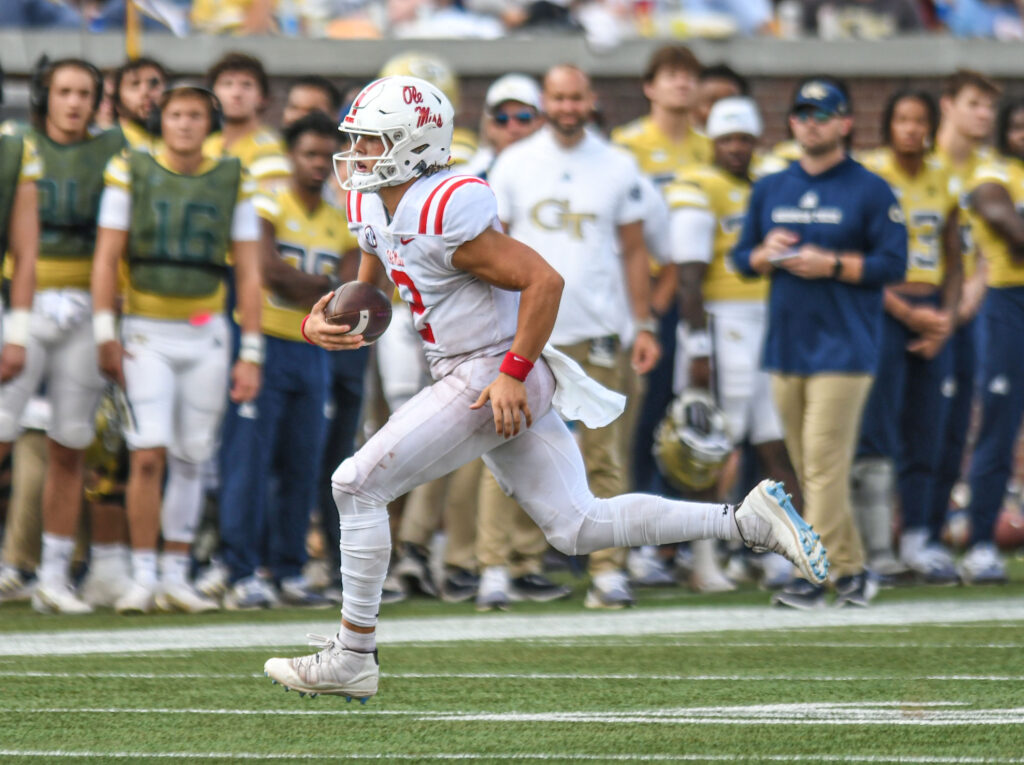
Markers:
{"x": 144, "y": 567}
{"x": 108, "y": 557}
{"x": 364, "y": 642}
{"x": 174, "y": 568}
{"x": 55, "y": 563}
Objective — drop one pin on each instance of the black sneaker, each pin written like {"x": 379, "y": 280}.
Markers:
{"x": 538, "y": 588}
{"x": 855, "y": 590}
{"x": 413, "y": 570}
{"x": 460, "y": 585}
{"x": 800, "y": 593}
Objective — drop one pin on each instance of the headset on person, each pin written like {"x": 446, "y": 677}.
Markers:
{"x": 42, "y": 76}
{"x": 153, "y": 121}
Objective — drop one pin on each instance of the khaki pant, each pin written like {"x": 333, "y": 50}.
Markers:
{"x": 505, "y": 534}
{"x": 603, "y": 448}
{"x": 821, "y": 419}
{"x": 453, "y": 501}
{"x": 23, "y": 537}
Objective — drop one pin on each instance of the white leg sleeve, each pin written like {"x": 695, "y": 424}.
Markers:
{"x": 543, "y": 470}
{"x": 183, "y": 500}
{"x": 365, "y": 552}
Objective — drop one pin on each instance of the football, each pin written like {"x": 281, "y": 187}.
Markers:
{"x": 1009, "y": 534}
{"x": 361, "y": 306}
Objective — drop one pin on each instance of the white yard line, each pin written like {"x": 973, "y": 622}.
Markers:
{"x": 515, "y": 757}
{"x": 917, "y": 714}
{"x": 635, "y": 622}
{"x": 525, "y": 676}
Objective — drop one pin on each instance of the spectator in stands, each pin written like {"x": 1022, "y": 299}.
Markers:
{"x": 440, "y": 18}
{"x": 750, "y": 16}
{"x": 96, "y": 16}
{"x": 1000, "y": 19}
{"x": 238, "y": 17}
{"x": 830, "y": 234}
{"x": 866, "y": 19}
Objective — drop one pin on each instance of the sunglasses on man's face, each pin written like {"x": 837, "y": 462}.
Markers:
{"x": 818, "y": 115}
{"x": 524, "y": 117}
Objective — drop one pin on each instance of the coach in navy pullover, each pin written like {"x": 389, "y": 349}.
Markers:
{"x": 830, "y": 235}
{"x": 825, "y": 324}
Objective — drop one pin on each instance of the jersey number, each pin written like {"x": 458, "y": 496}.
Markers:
{"x": 299, "y": 258}
{"x": 196, "y": 240}
{"x": 402, "y": 279}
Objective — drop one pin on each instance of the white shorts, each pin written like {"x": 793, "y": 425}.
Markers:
{"x": 61, "y": 354}
{"x": 177, "y": 378}
{"x": 742, "y": 387}
{"x": 400, "y": 359}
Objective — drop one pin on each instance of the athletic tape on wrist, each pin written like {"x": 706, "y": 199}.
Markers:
{"x": 251, "y": 348}
{"x": 16, "y": 327}
{"x": 698, "y": 343}
{"x": 104, "y": 327}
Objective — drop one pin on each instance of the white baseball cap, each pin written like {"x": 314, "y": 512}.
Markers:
{"x": 513, "y": 87}
{"x": 736, "y": 114}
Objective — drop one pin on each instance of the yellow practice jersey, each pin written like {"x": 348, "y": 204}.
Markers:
{"x": 138, "y": 137}
{"x": 926, "y": 199}
{"x": 960, "y": 176}
{"x": 725, "y": 196}
{"x": 151, "y": 305}
{"x": 464, "y": 146}
{"x": 659, "y": 157}
{"x": 261, "y": 152}
{"x": 1003, "y": 271}
{"x": 309, "y": 242}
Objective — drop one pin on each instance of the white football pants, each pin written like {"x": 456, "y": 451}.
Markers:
{"x": 541, "y": 468}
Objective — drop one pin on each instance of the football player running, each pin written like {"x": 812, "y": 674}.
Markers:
{"x": 484, "y": 305}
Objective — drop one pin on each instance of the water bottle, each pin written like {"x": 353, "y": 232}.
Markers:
{"x": 288, "y": 18}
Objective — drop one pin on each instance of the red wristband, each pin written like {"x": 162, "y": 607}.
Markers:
{"x": 516, "y": 366}
{"x": 302, "y": 330}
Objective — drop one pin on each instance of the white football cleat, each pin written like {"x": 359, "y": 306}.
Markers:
{"x": 767, "y": 521}
{"x": 59, "y": 599}
{"x": 103, "y": 588}
{"x": 181, "y": 596}
{"x": 214, "y": 581}
{"x": 138, "y": 599}
{"x": 14, "y": 587}
{"x": 333, "y": 670}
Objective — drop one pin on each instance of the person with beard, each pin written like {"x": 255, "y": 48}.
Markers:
{"x": 577, "y": 200}
{"x": 830, "y": 235}
{"x": 138, "y": 84}
{"x": 241, "y": 85}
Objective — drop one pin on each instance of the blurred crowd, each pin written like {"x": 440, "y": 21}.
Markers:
{"x": 604, "y": 22}
{"x": 206, "y": 485}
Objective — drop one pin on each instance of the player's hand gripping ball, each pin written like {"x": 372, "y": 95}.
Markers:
{"x": 362, "y": 307}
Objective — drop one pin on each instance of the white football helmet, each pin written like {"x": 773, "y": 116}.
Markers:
{"x": 415, "y": 121}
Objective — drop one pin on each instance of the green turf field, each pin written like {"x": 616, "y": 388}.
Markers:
{"x": 924, "y": 676}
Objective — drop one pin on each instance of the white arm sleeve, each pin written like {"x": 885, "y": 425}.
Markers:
{"x": 115, "y": 209}
{"x": 245, "y": 224}
{"x": 692, "y": 233}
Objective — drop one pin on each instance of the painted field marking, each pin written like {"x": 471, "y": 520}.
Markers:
{"x": 932, "y": 714}
{"x": 525, "y": 676}
{"x": 660, "y": 621}
{"x": 516, "y": 757}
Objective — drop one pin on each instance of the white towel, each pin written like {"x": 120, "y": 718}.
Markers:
{"x": 578, "y": 397}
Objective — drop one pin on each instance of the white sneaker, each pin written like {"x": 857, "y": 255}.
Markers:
{"x": 14, "y": 587}
{"x": 246, "y": 595}
{"x": 767, "y": 521}
{"x": 912, "y": 548}
{"x": 646, "y": 569}
{"x": 181, "y": 596}
{"x": 982, "y": 565}
{"x": 776, "y": 571}
{"x": 59, "y": 599}
{"x": 711, "y": 580}
{"x": 609, "y": 590}
{"x": 138, "y": 599}
{"x": 103, "y": 587}
{"x": 333, "y": 670}
{"x": 495, "y": 591}
{"x": 213, "y": 582}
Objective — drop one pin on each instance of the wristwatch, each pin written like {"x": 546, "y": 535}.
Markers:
{"x": 837, "y": 268}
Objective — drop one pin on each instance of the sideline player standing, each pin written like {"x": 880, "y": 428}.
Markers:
{"x": 485, "y": 305}
{"x": 61, "y": 349}
{"x": 174, "y": 216}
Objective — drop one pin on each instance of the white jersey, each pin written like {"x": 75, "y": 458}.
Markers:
{"x": 457, "y": 315}
{"x": 568, "y": 204}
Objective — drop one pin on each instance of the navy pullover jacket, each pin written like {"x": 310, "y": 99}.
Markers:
{"x": 825, "y": 325}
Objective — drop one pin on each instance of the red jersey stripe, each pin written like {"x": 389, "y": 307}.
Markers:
{"x": 439, "y": 219}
